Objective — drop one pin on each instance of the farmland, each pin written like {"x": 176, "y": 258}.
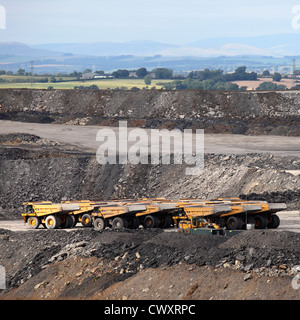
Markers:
{"x": 70, "y": 83}
{"x": 253, "y": 85}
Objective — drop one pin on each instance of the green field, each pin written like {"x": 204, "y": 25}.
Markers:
{"x": 67, "y": 84}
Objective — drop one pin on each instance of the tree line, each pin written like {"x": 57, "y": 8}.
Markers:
{"x": 201, "y": 79}
{"x": 213, "y": 80}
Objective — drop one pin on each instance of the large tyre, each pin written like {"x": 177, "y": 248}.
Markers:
{"x": 234, "y": 223}
{"x": 260, "y": 221}
{"x": 86, "y": 220}
{"x": 151, "y": 222}
{"x": 73, "y": 219}
{"x": 119, "y": 223}
{"x": 99, "y": 224}
{"x": 33, "y": 222}
{"x": 52, "y": 222}
{"x": 68, "y": 223}
{"x": 274, "y": 223}
{"x": 70, "y": 219}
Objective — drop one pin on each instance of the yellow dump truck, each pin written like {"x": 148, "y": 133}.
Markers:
{"x": 157, "y": 214}
{"x": 116, "y": 216}
{"x": 50, "y": 215}
{"x": 229, "y": 213}
{"x": 85, "y": 210}
{"x": 260, "y": 213}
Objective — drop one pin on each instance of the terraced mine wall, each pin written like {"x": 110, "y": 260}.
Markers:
{"x": 254, "y": 113}
{"x": 45, "y": 174}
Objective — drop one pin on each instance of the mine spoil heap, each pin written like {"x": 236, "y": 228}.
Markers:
{"x": 31, "y": 256}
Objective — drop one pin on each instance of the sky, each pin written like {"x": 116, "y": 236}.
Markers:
{"x": 168, "y": 21}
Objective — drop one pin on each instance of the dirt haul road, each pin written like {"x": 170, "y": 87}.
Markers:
{"x": 84, "y": 138}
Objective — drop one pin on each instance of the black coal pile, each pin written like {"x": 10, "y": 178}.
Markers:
{"x": 266, "y": 252}
{"x": 153, "y": 249}
{"x": 286, "y": 196}
{"x": 13, "y": 138}
{"x": 261, "y": 251}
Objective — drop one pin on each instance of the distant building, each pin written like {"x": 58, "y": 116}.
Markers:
{"x": 88, "y": 75}
{"x": 107, "y": 76}
{"x": 132, "y": 74}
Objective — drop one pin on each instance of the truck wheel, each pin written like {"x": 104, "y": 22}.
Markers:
{"x": 70, "y": 219}
{"x": 86, "y": 220}
{"x": 260, "y": 221}
{"x": 234, "y": 223}
{"x": 73, "y": 219}
{"x": 119, "y": 223}
{"x": 274, "y": 223}
{"x": 33, "y": 222}
{"x": 68, "y": 222}
{"x": 52, "y": 222}
{"x": 151, "y": 222}
{"x": 99, "y": 224}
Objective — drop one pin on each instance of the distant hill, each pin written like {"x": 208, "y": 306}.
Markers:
{"x": 136, "y": 48}
{"x": 277, "y": 45}
{"x": 274, "y": 45}
{"x": 21, "y": 49}
{"x": 273, "y": 52}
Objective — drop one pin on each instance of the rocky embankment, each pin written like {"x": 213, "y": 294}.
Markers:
{"x": 42, "y": 170}
{"x": 86, "y": 264}
{"x": 255, "y": 113}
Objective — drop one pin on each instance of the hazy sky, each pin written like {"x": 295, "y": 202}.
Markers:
{"x": 170, "y": 21}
